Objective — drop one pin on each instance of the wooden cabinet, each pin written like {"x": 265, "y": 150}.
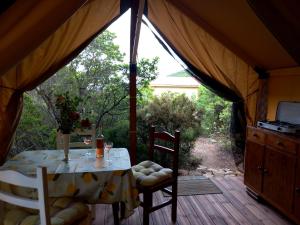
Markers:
{"x": 272, "y": 169}
{"x": 278, "y": 178}
{"x": 254, "y": 165}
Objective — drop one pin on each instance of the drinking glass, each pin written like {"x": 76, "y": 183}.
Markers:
{"x": 107, "y": 146}
{"x": 87, "y": 140}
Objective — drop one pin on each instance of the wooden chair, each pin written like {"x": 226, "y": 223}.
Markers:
{"x": 79, "y": 144}
{"x": 152, "y": 177}
{"x": 65, "y": 210}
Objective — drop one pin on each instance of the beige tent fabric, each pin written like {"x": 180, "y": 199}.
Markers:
{"x": 283, "y": 86}
{"x": 26, "y": 24}
{"x": 282, "y": 18}
{"x": 205, "y": 52}
{"x": 44, "y": 61}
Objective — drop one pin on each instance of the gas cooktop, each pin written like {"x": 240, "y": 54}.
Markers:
{"x": 287, "y": 118}
{"x": 280, "y": 126}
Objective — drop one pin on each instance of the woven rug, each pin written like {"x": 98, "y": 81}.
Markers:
{"x": 195, "y": 185}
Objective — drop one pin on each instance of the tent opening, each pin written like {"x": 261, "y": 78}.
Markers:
{"x": 98, "y": 77}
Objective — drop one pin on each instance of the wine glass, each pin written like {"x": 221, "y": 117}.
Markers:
{"x": 107, "y": 146}
{"x": 87, "y": 140}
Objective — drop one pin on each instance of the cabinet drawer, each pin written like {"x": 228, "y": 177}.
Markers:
{"x": 256, "y": 135}
{"x": 281, "y": 143}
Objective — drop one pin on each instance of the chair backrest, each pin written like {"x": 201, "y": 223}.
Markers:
{"x": 165, "y": 136}
{"x": 39, "y": 182}
{"x": 78, "y": 144}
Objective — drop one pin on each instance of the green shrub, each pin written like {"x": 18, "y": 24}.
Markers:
{"x": 170, "y": 112}
{"x": 216, "y": 112}
{"x": 118, "y": 134}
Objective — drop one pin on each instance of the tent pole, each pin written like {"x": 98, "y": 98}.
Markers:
{"x": 136, "y": 19}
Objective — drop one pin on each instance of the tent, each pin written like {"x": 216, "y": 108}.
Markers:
{"x": 246, "y": 51}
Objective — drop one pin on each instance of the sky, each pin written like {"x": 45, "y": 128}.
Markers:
{"x": 148, "y": 46}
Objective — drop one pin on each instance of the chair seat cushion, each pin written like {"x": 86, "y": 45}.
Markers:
{"x": 148, "y": 173}
{"x": 63, "y": 211}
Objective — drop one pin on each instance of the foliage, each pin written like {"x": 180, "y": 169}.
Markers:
{"x": 33, "y": 131}
{"x": 68, "y": 116}
{"x": 99, "y": 76}
{"x": 118, "y": 134}
{"x": 170, "y": 112}
{"x": 216, "y": 112}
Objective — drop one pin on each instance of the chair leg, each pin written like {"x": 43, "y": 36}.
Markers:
{"x": 174, "y": 201}
{"x": 147, "y": 207}
{"x": 115, "y": 207}
{"x": 122, "y": 210}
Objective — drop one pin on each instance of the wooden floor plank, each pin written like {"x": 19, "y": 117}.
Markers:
{"x": 236, "y": 214}
{"x": 108, "y": 215}
{"x": 166, "y": 211}
{"x": 211, "y": 211}
{"x": 237, "y": 204}
{"x": 242, "y": 195}
{"x": 202, "y": 215}
{"x": 191, "y": 214}
{"x": 222, "y": 211}
{"x": 221, "y": 198}
{"x": 234, "y": 206}
{"x": 135, "y": 218}
{"x": 100, "y": 214}
{"x": 182, "y": 216}
{"x": 158, "y": 214}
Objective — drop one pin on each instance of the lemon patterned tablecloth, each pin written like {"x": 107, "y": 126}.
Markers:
{"x": 84, "y": 176}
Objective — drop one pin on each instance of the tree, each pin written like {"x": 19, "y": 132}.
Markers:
{"x": 99, "y": 76}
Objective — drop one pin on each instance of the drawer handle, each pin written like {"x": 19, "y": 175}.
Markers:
{"x": 259, "y": 168}
{"x": 280, "y": 144}
{"x": 255, "y": 135}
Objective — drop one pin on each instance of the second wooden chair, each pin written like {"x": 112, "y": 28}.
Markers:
{"x": 152, "y": 177}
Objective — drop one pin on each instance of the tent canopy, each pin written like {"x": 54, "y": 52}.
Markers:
{"x": 226, "y": 45}
{"x": 237, "y": 27}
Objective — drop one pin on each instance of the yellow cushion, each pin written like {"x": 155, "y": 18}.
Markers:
{"x": 148, "y": 173}
{"x": 63, "y": 211}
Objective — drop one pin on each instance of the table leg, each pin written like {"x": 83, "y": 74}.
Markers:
{"x": 122, "y": 210}
{"x": 115, "y": 207}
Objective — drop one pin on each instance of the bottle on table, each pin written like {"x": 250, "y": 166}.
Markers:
{"x": 100, "y": 146}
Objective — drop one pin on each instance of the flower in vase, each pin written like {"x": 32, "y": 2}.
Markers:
{"x": 68, "y": 117}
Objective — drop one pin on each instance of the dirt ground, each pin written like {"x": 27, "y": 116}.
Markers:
{"x": 212, "y": 154}
{"x": 217, "y": 160}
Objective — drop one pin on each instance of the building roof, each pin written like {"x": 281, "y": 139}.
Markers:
{"x": 179, "y": 79}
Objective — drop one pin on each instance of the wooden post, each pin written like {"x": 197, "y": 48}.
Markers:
{"x": 132, "y": 85}
{"x": 132, "y": 127}
{"x": 137, "y": 8}
{"x": 262, "y": 96}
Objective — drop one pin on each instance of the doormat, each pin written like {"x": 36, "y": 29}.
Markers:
{"x": 195, "y": 185}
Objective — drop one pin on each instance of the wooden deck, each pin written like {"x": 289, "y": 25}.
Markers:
{"x": 231, "y": 207}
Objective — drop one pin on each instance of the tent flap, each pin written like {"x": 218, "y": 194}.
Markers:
{"x": 216, "y": 62}
{"x": 53, "y": 53}
{"x": 26, "y": 24}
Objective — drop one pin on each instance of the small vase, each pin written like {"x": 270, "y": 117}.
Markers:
{"x": 66, "y": 139}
